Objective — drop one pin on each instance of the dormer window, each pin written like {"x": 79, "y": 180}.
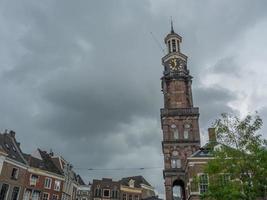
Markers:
{"x": 131, "y": 183}
{"x": 14, "y": 173}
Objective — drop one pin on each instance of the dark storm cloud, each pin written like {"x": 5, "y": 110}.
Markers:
{"x": 227, "y": 66}
{"x": 212, "y": 101}
{"x": 83, "y": 77}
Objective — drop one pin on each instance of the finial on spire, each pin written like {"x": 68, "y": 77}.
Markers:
{"x": 172, "y": 31}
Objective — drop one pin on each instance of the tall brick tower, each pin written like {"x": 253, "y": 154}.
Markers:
{"x": 179, "y": 118}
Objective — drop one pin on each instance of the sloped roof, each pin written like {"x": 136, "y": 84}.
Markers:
{"x": 9, "y": 145}
{"x": 80, "y": 180}
{"x": 45, "y": 163}
{"x": 138, "y": 180}
{"x": 205, "y": 151}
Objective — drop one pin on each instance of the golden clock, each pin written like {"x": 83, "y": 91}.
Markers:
{"x": 173, "y": 64}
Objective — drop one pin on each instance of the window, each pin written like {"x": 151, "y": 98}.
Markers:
{"x": 14, "y": 149}
{"x": 186, "y": 131}
{"x": 130, "y": 197}
{"x": 3, "y": 192}
{"x": 124, "y": 197}
{"x": 174, "y": 46}
{"x": 45, "y": 196}
{"x": 15, "y": 173}
{"x": 106, "y": 193}
{"x": 175, "y": 132}
{"x": 136, "y": 197}
{"x": 175, "y": 163}
{"x": 57, "y": 185}
{"x": 15, "y": 193}
{"x": 55, "y": 197}
{"x": 224, "y": 179}
{"x": 98, "y": 192}
{"x": 35, "y": 195}
{"x": 27, "y": 194}
{"x": 47, "y": 183}
{"x": 169, "y": 46}
{"x": 33, "y": 180}
{"x": 114, "y": 193}
{"x": 203, "y": 183}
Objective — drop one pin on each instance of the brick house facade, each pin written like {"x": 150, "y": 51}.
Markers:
{"x": 128, "y": 188}
{"x": 13, "y": 168}
{"x": 43, "y": 179}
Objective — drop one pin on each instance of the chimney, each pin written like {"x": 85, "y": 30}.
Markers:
{"x": 212, "y": 135}
{"x": 51, "y": 153}
{"x": 12, "y": 133}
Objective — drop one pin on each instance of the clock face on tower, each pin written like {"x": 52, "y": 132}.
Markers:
{"x": 173, "y": 64}
{"x": 176, "y": 65}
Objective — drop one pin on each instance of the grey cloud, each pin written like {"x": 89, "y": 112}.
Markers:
{"x": 227, "y": 66}
{"x": 83, "y": 77}
{"x": 212, "y": 101}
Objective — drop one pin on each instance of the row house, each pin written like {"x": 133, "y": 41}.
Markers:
{"x": 13, "y": 168}
{"x": 44, "y": 180}
{"x": 136, "y": 188}
{"x": 84, "y": 190}
{"x": 128, "y": 188}
{"x": 105, "y": 189}
{"x": 39, "y": 176}
{"x": 70, "y": 184}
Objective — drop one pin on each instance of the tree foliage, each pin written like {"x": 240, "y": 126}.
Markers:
{"x": 239, "y": 168}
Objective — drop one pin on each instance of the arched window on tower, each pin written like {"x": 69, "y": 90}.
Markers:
{"x": 175, "y": 132}
{"x": 186, "y": 130}
{"x": 169, "y": 46}
{"x": 175, "y": 161}
{"x": 174, "y": 47}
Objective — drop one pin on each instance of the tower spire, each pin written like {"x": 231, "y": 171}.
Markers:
{"x": 172, "y": 31}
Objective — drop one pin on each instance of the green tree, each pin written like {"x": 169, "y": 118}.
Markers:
{"x": 239, "y": 168}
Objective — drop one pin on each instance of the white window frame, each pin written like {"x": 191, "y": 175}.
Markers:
{"x": 8, "y": 189}
{"x": 18, "y": 191}
{"x": 55, "y": 195}
{"x": 48, "y": 196}
{"x": 34, "y": 192}
{"x": 33, "y": 183}
{"x": 104, "y": 192}
{"x": 199, "y": 188}
{"x": 57, "y": 184}
{"x": 50, "y": 183}
{"x": 17, "y": 174}
{"x": 176, "y": 163}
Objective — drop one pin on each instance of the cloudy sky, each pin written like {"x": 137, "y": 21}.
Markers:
{"x": 83, "y": 77}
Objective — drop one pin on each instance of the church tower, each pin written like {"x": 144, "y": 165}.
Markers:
{"x": 179, "y": 118}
